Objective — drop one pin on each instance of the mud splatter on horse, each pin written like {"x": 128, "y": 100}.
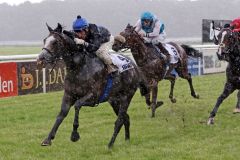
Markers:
{"x": 86, "y": 83}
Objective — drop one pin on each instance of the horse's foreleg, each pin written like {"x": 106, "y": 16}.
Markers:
{"x": 84, "y": 101}
{"x": 172, "y": 79}
{"x": 63, "y": 113}
{"x": 228, "y": 89}
{"x": 155, "y": 104}
{"x": 115, "y": 105}
{"x": 75, "y": 135}
{"x": 237, "y": 109}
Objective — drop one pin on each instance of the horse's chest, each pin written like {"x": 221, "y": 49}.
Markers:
{"x": 155, "y": 67}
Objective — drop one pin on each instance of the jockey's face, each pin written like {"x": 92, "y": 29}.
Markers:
{"x": 82, "y": 34}
{"x": 147, "y": 22}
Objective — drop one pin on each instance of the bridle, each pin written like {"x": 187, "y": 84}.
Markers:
{"x": 51, "y": 53}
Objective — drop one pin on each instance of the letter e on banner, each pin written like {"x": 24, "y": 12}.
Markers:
{"x": 8, "y": 79}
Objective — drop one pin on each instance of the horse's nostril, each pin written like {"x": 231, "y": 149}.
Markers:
{"x": 114, "y": 48}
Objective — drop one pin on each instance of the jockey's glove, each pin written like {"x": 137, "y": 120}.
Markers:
{"x": 142, "y": 34}
{"x": 80, "y": 41}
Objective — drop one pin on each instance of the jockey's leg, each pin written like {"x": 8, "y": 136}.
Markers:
{"x": 164, "y": 51}
{"x": 103, "y": 54}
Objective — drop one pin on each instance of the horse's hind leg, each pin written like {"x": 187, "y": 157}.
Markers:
{"x": 75, "y": 135}
{"x": 120, "y": 107}
{"x": 237, "y": 109}
{"x": 115, "y": 105}
{"x": 147, "y": 99}
{"x": 63, "y": 113}
{"x": 172, "y": 79}
{"x": 193, "y": 93}
{"x": 183, "y": 73}
{"x": 228, "y": 89}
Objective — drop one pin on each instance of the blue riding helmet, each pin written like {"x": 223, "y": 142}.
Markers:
{"x": 147, "y": 16}
{"x": 80, "y": 24}
{"x": 150, "y": 17}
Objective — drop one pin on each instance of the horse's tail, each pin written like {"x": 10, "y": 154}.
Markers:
{"x": 190, "y": 51}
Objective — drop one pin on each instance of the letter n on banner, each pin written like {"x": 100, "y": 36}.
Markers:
{"x": 8, "y": 79}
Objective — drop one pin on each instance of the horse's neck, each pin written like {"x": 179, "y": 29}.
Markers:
{"x": 139, "y": 50}
{"x": 142, "y": 53}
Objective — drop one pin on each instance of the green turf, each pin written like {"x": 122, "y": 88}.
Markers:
{"x": 19, "y": 50}
{"x": 178, "y": 132}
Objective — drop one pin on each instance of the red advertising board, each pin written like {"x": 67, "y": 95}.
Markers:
{"x": 8, "y": 79}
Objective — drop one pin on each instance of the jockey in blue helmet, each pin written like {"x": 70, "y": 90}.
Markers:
{"x": 96, "y": 39}
{"x": 153, "y": 31}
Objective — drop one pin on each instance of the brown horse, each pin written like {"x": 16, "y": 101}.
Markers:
{"x": 153, "y": 67}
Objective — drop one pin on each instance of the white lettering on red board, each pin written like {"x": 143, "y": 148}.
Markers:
{"x": 6, "y": 86}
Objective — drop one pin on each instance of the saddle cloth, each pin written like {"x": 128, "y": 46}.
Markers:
{"x": 121, "y": 62}
{"x": 173, "y": 53}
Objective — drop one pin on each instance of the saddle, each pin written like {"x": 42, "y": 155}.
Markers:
{"x": 158, "y": 53}
{"x": 172, "y": 51}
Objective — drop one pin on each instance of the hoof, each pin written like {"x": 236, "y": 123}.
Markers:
{"x": 153, "y": 115}
{"x": 46, "y": 142}
{"x": 196, "y": 96}
{"x": 236, "y": 110}
{"x": 210, "y": 121}
{"x": 173, "y": 100}
{"x": 75, "y": 136}
{"x": 148, "y": 102}
{"x": 110, "y": 145}
{"x": 159, "y": 103}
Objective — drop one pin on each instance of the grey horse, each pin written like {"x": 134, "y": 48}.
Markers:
{"x": 86, "y": 83}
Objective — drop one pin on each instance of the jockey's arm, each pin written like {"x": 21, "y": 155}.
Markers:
{"x": 163, "y": 36}
{"x": 92, "y": 47}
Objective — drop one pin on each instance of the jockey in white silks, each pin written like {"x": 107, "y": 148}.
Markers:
{"x": 152, "y": 31}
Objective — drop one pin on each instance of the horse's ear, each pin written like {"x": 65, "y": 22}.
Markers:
{"x": 59, "y": 28}
{"x": 49, "y": 28}
{"x": 128, "y": 26}
{"x": 231, "y": 27}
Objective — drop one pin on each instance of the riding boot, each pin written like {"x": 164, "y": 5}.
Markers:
{"x": 111, "y": 68}
{"x": 165, "y": 52}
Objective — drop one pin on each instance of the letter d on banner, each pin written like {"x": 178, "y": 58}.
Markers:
{"x": 8, "y": 79}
